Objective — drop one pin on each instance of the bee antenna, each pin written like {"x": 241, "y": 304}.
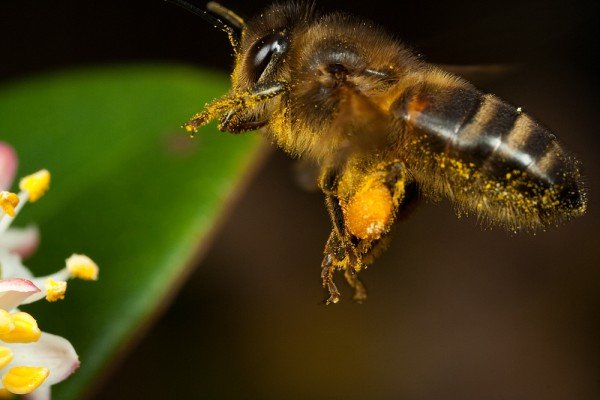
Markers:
{"x": 232, "y": 30}
{"x": 235, "y": 20}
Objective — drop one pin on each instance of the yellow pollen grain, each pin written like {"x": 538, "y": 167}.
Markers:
{"x": 8, "y": 202}
{"x": 26, "y": 329}
{"x": 6, "y": 322}
{"x": 55, "y": 290}
{"x": 527, "y": 200}
{"x": 82, "y": 267}
{"x": 6, "y": 356}
{"x": 189, "y": 128}
{"x": 36, "y": 184}
{"x": 24, "y": 380}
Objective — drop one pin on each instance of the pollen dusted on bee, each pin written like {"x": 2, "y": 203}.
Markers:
{"x": 381, "y": 129}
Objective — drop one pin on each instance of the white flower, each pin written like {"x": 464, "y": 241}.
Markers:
{"x": 30, "y": 360}
{"x": 22, "y": 241}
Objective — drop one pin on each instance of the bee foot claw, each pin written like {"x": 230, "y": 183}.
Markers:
{"x": 334, "y": 298}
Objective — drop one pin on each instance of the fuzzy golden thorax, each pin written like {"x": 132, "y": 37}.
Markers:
{"x": 335, "y": 66}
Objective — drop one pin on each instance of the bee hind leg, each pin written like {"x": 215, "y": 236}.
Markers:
{"x": 360, "y": 291}
{"x": 328, "y": 268}
{"x": 342, "y": 256}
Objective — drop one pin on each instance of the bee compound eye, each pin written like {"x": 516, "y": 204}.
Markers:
{"x": 262, "y": 52}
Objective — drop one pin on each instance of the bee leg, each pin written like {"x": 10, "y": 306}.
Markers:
{"x": 370, "y": 211}
{"x": 371, "y": 250}
{"x": 360, "y": 291}
{"x": 237, "y": 119}
{"x": 233, "y": 124}
{"x": 235, "y": 105}
{"x": 405, "y": 197}
{"x": 328, "y": 267}
{"x": 404, "y": 190}
{"x": 340, "y": 254}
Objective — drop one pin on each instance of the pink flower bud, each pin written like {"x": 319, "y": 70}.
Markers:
{"x": 8, "y": 166}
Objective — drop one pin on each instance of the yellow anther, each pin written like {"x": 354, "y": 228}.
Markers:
{"x": 36, "y": 184}
{"x": 6, "y": 322}
{"x": 55, "y": 290}
{"x": 5, "y": 394}
{"x": 6, "y": 356}
{"x": 8, "y": 202}
{"x": 82, "y": 267}
{"x": 26, "y": 329}
{"x": 24, "y": 380}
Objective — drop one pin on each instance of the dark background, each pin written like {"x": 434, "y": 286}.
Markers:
{"x": 454, "y": 312}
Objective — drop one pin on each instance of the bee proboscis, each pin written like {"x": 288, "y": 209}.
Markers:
{"x": 384, "y": 128}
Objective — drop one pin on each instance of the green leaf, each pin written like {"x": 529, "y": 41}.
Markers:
{"x": 129, "y": 189}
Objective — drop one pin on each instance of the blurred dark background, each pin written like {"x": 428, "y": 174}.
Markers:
{"x": 454, "y": 312}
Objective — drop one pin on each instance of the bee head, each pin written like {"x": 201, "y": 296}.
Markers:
{"x": 266, "y": 41}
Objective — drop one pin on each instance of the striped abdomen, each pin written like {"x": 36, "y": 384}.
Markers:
{"x": 488, "y": 155}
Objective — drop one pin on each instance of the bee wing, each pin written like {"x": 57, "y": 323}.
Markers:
{"x": 481, "y": 74}
{"x": 306, "y": 173}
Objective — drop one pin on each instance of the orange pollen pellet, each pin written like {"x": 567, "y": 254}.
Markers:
{"x": 369, "y": 212}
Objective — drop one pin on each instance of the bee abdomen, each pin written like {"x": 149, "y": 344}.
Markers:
{"x": 477, "y": 143}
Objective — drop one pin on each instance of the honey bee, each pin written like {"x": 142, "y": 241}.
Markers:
{"x": 383, "y": 129}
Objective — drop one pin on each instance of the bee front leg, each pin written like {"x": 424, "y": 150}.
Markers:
{"x": 235, "y": 109}
{"x": 242, "y": 118}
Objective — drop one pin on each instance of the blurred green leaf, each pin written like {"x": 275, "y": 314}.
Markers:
{"x": 129, "y": 189}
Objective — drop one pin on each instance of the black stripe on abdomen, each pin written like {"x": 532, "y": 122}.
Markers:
{"x": 477, "y": 141}
{"x": 493, "y": 140}
{"x": 477, "y": 128}
{"x": 439, "y": 112}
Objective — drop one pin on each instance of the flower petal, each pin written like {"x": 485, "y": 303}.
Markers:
{"x": 23, "y": 241}
{"x": 12, "y": 267}
{"x": 14, "y": 291}
{"x": 41, "y": 393}
{"x": 8, "y": 165}
{"x": 51, "y": 351}
{"x": 40, "y": 282}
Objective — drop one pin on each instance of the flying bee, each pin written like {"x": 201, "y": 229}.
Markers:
{"x": 384, "y": 128}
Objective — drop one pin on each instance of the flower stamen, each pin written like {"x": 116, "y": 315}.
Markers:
{"x": 82, "y": 267}
{"x": 24, "y": 380}
{"x": 55, "y": 290}
{"x": 32, "y": 188}
{"x": 36, "y": 184}
{"x": 26, "y": 329}
{"x": 6, "y": 322}
{"x": 8, "y": 202}
{"x": 6, "y": 356}
{"x": 27, "y": 355}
